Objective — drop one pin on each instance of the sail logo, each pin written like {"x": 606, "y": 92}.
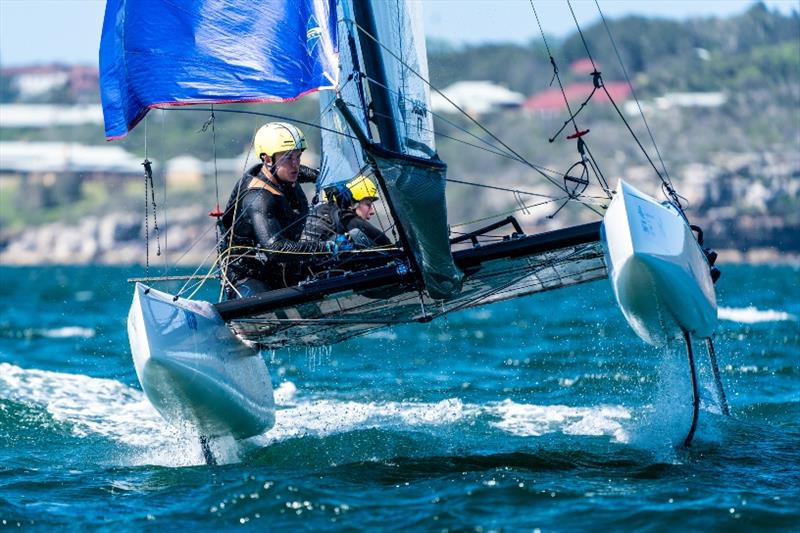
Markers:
{"x": 191, "y": 320}
{"x": 313, "y": 34}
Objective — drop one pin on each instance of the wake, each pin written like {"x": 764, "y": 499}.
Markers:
{"x": 103, "y": 407}
{"x": 753, "y": 315}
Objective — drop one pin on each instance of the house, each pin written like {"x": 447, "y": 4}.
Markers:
{"x": 38, "y": 80}
{"x": 49, "y": 115}
{"x": 552, "y": 101}
{"x": 583, "y": 66}
{"x": 475, "y": 97}
{"x": 677, "y": 100}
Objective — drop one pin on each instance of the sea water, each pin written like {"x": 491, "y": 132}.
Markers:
{"x": 545, "y": 413}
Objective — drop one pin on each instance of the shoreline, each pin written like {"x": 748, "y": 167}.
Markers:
{"x": 126, "y": 257}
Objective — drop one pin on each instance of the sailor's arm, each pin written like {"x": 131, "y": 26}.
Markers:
{"x": 370, "y": 231}
{"x": 268, "y": 236}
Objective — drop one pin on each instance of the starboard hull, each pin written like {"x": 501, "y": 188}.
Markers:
{"x": 659, "y": 273}
{"x": 195, "y": 372}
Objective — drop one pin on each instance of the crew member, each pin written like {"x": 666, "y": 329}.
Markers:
{"x": 267, "y": 211}
{"x": 347, "y": 210}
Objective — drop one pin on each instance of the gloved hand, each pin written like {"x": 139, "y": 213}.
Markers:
{"x": 344, "y": 242}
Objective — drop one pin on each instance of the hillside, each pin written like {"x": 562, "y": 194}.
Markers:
{"x": 737, "y": 163}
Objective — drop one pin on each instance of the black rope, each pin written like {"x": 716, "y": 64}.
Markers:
{"x": 497, "y": 152}
{"x": 633, "y": 92}
{"x": 149, "y": 176}
{"x": 666, "y": 185}
{"x": 146, "y": 217}
{"x": 583, "y": 148}
{"x": 556, "y": 76}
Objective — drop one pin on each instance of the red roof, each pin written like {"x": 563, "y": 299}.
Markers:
{"x": 582, "y": 66}
{"x": 552, "y": 100}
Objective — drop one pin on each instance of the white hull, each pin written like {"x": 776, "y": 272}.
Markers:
{"x": 194, "y": 371}
{"x": 658, "y": 271}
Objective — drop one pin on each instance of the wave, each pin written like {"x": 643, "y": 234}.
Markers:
{"x": 753, "y": 315}
{"x": 67, "y": 331}
{"x": 323, "y": 418}
{"x": 91, "y": 406}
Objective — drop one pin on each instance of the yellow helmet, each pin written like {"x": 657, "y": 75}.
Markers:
{"x": 275, "y": 137}
{"x": 361, "y": 187}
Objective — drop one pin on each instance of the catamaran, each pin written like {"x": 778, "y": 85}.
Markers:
{"x": 199, "y": 362}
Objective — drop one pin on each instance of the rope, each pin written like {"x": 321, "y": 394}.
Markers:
{"x": 473, "y": 120}
{"x": 555, "y": 76}
{"x": 164, "y": 200}
{"x": 666, "y": 185}
{"x": 496, "y": 188}
{"x": 633, "y": 91}
{"x": 258, "y": 114}
{"x": 506, "y": 213}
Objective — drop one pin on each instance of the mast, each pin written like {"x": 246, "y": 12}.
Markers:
{"x": 377, "y": 79}
{"x": 414, "y": 184}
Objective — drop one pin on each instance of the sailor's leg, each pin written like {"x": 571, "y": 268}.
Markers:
{"x": 723, "y": 400}
{"x": 695, "y": 393}
{"x": 207, "y": 454}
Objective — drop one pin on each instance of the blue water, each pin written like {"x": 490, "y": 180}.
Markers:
{"x": 545, "y": 413}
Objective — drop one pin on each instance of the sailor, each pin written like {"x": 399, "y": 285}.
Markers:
{"x": 267, "y": 211}
{"x": 347, "y": 211}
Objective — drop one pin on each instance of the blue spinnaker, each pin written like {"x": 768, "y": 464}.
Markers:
{"x": 178, "y": 52}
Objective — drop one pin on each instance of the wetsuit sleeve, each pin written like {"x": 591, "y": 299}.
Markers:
{"x": 267, "y": 232}
{"x": 369, "y": 230}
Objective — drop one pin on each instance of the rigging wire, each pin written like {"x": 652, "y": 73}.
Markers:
{"x": 473, "y": 120}
{"x": 495, "y": 187}
{"x": 666, "y": 184}
{"x": 633, "y": 91}
{"x": 556, "y": 76}
{"x": 495, "y": 149}
{"x": 164, "y": 201}
{"x": 541, "y": 169}
{"x": 259, "y": 114}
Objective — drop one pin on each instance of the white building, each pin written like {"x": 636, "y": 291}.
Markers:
{"x": 673, "y": 100}
{"x": 40, "y": 157}
{"x": 475, "y": 97}
{"x": 46, "y": 115}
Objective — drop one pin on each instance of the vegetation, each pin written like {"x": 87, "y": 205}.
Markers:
{"x": 753, "y": 58}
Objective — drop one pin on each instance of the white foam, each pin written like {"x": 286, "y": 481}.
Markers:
{"x": 753, "y": 315}
{"x": 105, "y": 407}
{"x": 382, "y": 334}
{"x": 108, "y": 408}
{"x": 321, "y": 418}
{"x": 284, "y": 394}
{"x": 526, "y": 420}
{"x": 90, "y": 405}
{"x": 67, "y": 331}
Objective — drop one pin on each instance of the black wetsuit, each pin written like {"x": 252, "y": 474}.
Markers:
{"x": 269, "y": 221}
{"x": 326, "y": 220}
